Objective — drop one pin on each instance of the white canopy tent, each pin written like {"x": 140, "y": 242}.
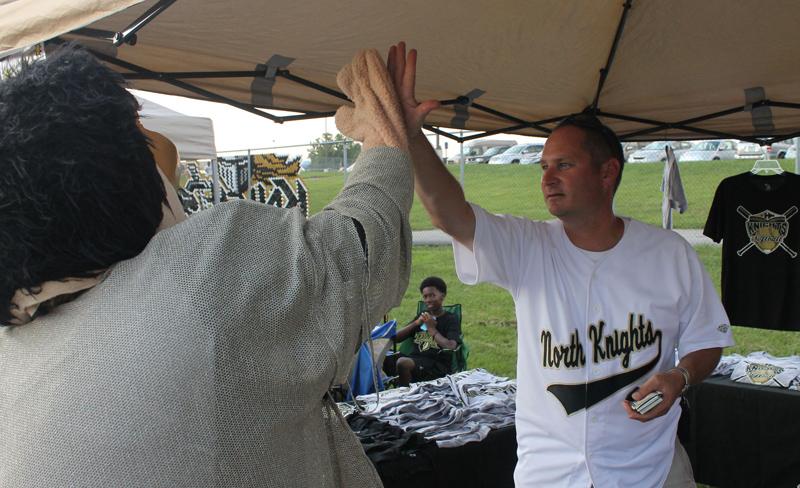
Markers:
{"x": 671, "y": 69}
{"x": 193, "y": 136}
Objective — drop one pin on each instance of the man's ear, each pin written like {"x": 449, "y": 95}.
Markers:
{"x": 610, "y": 170}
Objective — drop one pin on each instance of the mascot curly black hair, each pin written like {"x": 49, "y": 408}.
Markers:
{"x": 79, "y": 188}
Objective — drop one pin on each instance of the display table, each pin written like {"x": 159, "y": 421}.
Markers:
{"x": 486, "y": 464}
{"x": 744, "y": 435}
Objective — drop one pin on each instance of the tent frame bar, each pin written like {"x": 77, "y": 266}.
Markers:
{"x": 128, "y": 35}
{"x": 611, "y": 54}
{"x": 175, "y": 79}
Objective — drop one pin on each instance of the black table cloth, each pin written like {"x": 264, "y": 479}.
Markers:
{"x": 744, "y": 435}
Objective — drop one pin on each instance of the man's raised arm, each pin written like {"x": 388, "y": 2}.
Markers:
{"x": 437, "y": 189}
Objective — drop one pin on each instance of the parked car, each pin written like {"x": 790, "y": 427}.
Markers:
{"x": 749, "y": 150}
{"x": 656, "y": 151}
{"x": 629, "y": 148}
{"x": 484, "y": 158}
{"x": 710, "y": 151}
{"x": 478, "y": 147}
{"x": 791, "y": 153}
{"x": 533, "y": 157}
{"x": 514, "y": 154}
{"x": 777, "y": 150}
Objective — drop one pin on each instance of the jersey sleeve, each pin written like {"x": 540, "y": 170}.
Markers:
{"x": 496, "y": 250}
{"x": 703, "y": 321}
{"x": 715, "y": 224}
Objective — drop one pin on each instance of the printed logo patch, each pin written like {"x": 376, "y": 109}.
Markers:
{"x": 760, "y": 373}
{"x": 767, "y": 230}
{"x": 425, "y": 341}
{"x": 723, "y": 328}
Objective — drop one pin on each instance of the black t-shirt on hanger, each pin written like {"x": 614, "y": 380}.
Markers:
{"x": 756, "y": 217}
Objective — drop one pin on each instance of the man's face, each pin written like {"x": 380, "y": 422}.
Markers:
{"x": 432, "y": 297}
{"x": 572, "y": 185}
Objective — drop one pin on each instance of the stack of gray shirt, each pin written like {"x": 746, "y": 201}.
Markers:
{"x": 453, "y": 410}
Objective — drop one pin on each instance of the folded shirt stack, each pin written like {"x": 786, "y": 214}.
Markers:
{"x": 761, "y": 368}
{"x": 454, "y": 410}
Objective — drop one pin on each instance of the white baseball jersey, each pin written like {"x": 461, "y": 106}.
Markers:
{"x": 588, "y": 333}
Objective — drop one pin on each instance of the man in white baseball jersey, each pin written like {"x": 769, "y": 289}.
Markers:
{"x": 603, "y": 303}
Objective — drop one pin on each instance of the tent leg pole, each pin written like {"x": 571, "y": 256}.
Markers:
{"x": 461, "y": 161}
{"x": 797, "y": 155}
{"x": 215, "y": 181}
{"x": 344, "y": 159}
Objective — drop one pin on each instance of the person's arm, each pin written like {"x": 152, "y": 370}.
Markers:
{"x": 371, "y": 211}
{"x": 443, "y": 341}
{"x": 437, "y": 189}
{"x": 440, "y": 193}
{"x": 409, "y": 329}
{"x": 698, "y": 365}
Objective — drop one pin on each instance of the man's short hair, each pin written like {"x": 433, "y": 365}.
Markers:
{"x": 600, "y": 142}
{"x": 435, "y": 282}
{"x": 79, "y": 189}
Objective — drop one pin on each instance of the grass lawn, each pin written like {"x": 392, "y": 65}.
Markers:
{"x": 489, "y": 323}
{"x": 514, "y": 189}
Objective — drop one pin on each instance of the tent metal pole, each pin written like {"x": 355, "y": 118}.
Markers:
{"x": 509, "y": 117}
{"x": 283, "y": 73}
{"x": 782, "y": 104}
{"x": 496, "y": 131}
{"x": 95, "y": 33}
{"x": 441, "y": 133}
{"x": 215, "y": 189}
{"x": 180, "y": 75}
{"x": 129, "y": 34}
{"x": 617, "y": 36}
{"x": 629, "y": 118}
{"x": 461, "y": 160}
{"x": 310, "y": 115}
{"x": 344, "y": 160}
{"x": 249, "y": 169}
{"x": 716, "y": 115}
{"x": 186, "y": 86}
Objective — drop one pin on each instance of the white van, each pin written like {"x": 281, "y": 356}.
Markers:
{"x": 476, "y": 148}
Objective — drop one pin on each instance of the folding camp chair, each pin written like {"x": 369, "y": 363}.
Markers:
{"x": 361, "y": 378}
{"x": 458, "y": 355}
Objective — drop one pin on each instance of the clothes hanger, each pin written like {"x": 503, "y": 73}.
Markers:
{"x": 767, "y": 166}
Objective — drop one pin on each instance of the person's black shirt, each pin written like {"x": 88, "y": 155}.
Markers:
{"x": 425, "y": 346}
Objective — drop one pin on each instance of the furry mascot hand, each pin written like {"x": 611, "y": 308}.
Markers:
{"x": 377, "y": 118}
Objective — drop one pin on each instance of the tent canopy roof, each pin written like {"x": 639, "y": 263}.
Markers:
{"x": 677, "y": 69}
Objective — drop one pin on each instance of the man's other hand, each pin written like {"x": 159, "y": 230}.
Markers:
{"x": 669, "y": 383}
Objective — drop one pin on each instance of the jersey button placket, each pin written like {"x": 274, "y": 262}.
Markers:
{"x": 590, "y": 316}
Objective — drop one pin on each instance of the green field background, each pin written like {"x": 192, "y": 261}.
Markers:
{"x": 489, "y": 321}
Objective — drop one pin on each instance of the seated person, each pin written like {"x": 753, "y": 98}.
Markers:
{"x": 434, "y": 330}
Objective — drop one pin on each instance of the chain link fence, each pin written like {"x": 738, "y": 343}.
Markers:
{"x": 515, "y": 188}
{"x": 322, "y": 170}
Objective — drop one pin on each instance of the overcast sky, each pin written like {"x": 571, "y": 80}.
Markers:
{"x": 235, "y": 129}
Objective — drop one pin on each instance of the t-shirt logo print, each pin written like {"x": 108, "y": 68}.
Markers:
{"x": 425, "y": 341}
{"x": 761, "y": 373}
{"x": 767, "y": 230}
